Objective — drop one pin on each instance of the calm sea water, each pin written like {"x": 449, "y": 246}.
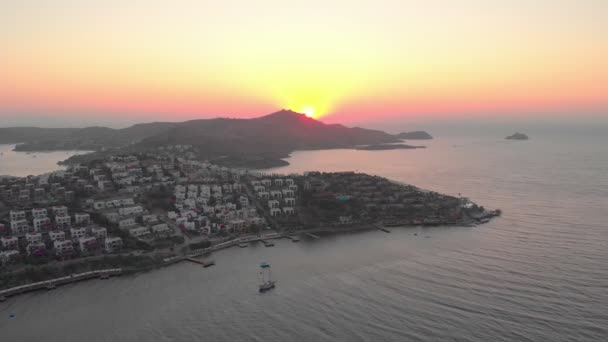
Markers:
{"x": 23, "y": 164}
{"x": 539, "y": 273}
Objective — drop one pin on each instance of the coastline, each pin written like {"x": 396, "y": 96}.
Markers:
{"x": 6, "y": 293}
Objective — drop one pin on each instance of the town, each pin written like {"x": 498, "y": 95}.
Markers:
{"x": 165, "y": 203}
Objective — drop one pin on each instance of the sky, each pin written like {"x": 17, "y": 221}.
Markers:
{"x": 357, "y": 62}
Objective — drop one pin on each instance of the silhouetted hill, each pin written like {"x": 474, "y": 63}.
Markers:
{"x": 269, "y": 137}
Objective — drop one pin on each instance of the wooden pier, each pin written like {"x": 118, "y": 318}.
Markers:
{"x": 267, "y": 243}
{"x": 381, "y": 227}
{"x": 53, "y": 283}
{"x": 205, "y": 263}
{"x": 292, "y": 238}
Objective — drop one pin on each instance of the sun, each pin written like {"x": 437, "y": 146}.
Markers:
{"x": 309, "y": 111}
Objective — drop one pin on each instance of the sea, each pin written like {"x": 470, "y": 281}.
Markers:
{"x": 22, "y": 164}
{"x": 537, "y": 273}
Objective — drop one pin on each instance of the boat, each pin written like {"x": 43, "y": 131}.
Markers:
{"x": 243, "y": 245}
{"x": 267, "y": 282}
{"x": 104, "y": 276}
{"x": 51, "y": 286}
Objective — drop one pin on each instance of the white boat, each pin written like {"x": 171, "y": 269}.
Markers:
{"x": 267, "y": 282}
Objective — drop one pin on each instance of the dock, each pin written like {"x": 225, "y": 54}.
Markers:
{"x": 292, "y": 238}
{"x": 267, "y": 243}
{"x": 313, "y": 236}
{"x": 205, "y": 263}
{"x": 53, "y": 283}
{"x": 381, "y": 227}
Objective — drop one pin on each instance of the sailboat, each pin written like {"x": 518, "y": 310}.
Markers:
{"x": 267, "y": 282}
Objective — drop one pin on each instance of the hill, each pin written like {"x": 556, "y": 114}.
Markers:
{"x": 258, "y": 142}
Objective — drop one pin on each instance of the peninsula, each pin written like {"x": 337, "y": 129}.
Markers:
{"x": 145, "y": 210}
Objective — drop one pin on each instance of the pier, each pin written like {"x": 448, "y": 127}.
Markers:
{"x": 381, "y": 227}
{"x": 52, "y": 283}
{"x": 313, "y": 236}
{"x": 205, "y": 263}
{"x": 267, "y": 243}
{"x": 292, "y": 238}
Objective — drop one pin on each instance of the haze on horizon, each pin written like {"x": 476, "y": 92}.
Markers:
{"x": 113, "y": 63}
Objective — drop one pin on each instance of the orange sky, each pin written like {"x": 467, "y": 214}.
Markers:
{"x": 348, "y": 61}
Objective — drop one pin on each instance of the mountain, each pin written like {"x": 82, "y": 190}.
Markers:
{"x": 258, "y": 142}
{"x": 416, "y": 135}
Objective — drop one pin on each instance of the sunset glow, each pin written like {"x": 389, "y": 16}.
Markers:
{"x": 347, "y": 61}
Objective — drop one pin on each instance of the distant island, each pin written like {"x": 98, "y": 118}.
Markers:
{"x": 517, "y": 136}
{"x": 416, "y": 135}
{"x": 260, "y": 143}
{"x": 380, "y": 147}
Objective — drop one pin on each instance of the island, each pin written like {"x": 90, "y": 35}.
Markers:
{"x": 517, "y": 136}
{"x": 128, "y": 212}
{"x": 416, "y": 135}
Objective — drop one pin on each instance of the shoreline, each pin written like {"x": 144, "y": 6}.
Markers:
{"x": 7, "y": 293}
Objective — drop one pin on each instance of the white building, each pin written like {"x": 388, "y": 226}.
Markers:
{"x": 288, "y": 211}
{"x": 63, "y": 221}
{"x": 57, "y": 235}
{"x": 17, "y": 215}
{"x": 61, "y": 210}
{"x": 99, "y": 232}
{"x": 136, "y": 210}
{"x": 9, "y": 242}
{"x": 82, "y": 219}
{"x": 275, "y": 211}
{"x": 276, "y": 194}
{"x": 149, "y": 219}
{"x": 33, "y": 237}
{"x": 126, "y": 223}
{"x": 20, "y": 227}
{"x": 112, "y": 244}
{"x": 62, "y": 247}
{"x": 290, "y": 202}
{"x": 162, "y": 228}
{"x": 42, "y": 223}
{"x": 77, "y": 233}
{"x": 87, "y": 244}
{"x": 273, "y": 204}
{"x": 38, "y": 213}
{"x": 139, "y": 231}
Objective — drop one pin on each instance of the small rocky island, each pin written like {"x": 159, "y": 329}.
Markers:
{"x": 416, "y": 135}
{"x": 517, "y": 136}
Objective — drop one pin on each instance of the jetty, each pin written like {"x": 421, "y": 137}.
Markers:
{"x": 267, "y": 243}
{"x": 53, "y": 283}
{"x": 292, "y": 238}
{"x": 205, "y": 263}
{"x": 381, "y": 227}
{"x": 313, "y": 236}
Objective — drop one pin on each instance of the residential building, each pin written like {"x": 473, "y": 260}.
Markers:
{"x": 273, "y": 204}
{"x": 87, "y": 244}
{"x": 8, "y": 256}
{"x": 99, "y": 233}
{"x": 63, "y": 247}
{"x": 57, "y": 235}
{"x": 63, "y": 221}
{"x": 126, "y": 223}
{"x": 38, "y": 213}
{"x": 17, "y": 215}
{"x": 9, "y": 242}
{"x": 33, "y": 237}
{"x": 112, "y": 244}
{"x": 161, "y": 228}
{"x": 139, "y": 231}
{"x": 77, "y": 233}
{"x": 19, "y": 227}
{"x": 42, "y": 224}
{"x": 82, "y": 219}
{"x": 60, "y": 210}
